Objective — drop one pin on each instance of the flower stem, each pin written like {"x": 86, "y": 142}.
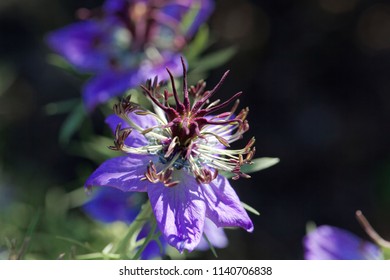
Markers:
{"x": 371, "y": 231}
{"x": 136, "y": 226}
{"x": 146, "y": 242}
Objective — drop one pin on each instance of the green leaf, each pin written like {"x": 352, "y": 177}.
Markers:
{"x": 259, "y": 164}
{"x": 386, "y": 253}
{"x": 310, "y": 226}
{"x": 250, "y": 209}
{"x": 72, "y": 123}
{"x": 214, "y": 60}
{"x": 60, "y": 107}
{"x": 77, "y": 198}
{"x": 59, "y": 62}
{"x": 198, "y": 44}
{"x": 8, "y": 76}
{"x": 189, "y": 18}
{"x": 95, "y": 148}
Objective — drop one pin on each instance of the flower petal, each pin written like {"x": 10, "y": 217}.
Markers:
{"x": 332, "y": 243}
{"x": 110, "y": 205}
{"x": 180, "y": 212}
{"x": 150, "y": 68}
{"x": 123, "y": 173}
{"x": 114, "y": 6}
{"x": 135, "y": 139}
{"x": 223, "y": 205}
{"x": 103, "y": 87}
{"x": 215, "y": 235}
{"x": 76, "y": 43}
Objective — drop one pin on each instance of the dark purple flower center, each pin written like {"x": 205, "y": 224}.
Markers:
{"x": 190, "y": 135}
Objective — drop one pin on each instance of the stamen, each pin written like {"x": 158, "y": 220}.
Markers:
{"x": 208, "y": 94}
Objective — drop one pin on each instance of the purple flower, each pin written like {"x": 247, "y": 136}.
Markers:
{"x": 174, "y": 153}
{"x": 130, "y": 41}
{"x": 109, "y": 205}
{"x": 332, "y": 243}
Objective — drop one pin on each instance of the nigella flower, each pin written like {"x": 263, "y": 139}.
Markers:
{"x": 110, "y": 205}
{"x": 128, "y": 42}
{"x": 175, "y": 153}
{"x": 332, "y": 243}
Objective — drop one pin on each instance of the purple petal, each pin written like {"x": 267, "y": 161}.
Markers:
{"x": 180, "y": 212}
{"x": 135, "y": 138}
{"x": 109, "y": 205}
{"x": 105, "y": 86}
{"x": 332, "y": 243}
{"x": 77, "y": 44}
{"x": 114, "y": 120}
{"x": 115, "y": 6}
{"x": 149, "y": 69}
{"x": 215, "y": 235}
{"x": 123, "y": 173}
{"x": 223, "y": 205}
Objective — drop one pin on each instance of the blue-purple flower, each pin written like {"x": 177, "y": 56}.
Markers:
{"x": 175, "y": 153}
{"x": 332, "y": 243}
{"x": 127, "y": 42}
{"x": 110, "y": 205}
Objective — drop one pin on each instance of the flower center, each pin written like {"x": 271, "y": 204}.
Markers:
{"x": 188, "y": 135}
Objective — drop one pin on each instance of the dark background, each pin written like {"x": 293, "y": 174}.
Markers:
{"x": 315, "y": 74}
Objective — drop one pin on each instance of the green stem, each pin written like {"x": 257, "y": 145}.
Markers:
{"x": 146, "y": 242}
{"x": 143, "y": 216}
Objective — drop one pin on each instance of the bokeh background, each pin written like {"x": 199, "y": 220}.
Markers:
{"x": 315, "y": 74}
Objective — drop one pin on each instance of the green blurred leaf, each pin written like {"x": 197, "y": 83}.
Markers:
{"x": 59, "y": 62}
{"x": 95, "y": 149}
{"x": 386, "y": 253}
{"x": 259, "y": 164}
{"x": 189, "y": 18}
{"x": 214, "y": 60}
{"x": 8, "y": 76}
{"x": 250, "y": 209}
{"x": 77, "y": 198}
{"x": 60, "y": 107}
{"x": 72, "y": 123}
{"x": 310, "y": 226}
{"x": 198, "y": 44}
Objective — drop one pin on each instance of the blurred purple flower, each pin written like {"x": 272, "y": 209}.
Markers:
{"x": 174, "y": 154}
{"x": 332, "y": 243}
{"x": 130, "y": 41}
{"x": 110, "y": 205}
